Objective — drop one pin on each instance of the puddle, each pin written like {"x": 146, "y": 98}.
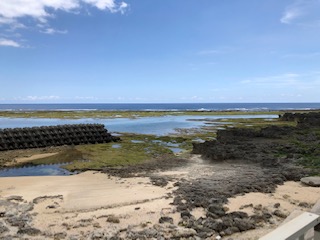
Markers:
{"x": 176, "y": 150}
{"x": 198, "y": 140}
{"x": 173, "y": 146}
{"x": 116, "y": 146}
{"x": 137, "y": 141}
{"x": 40, "y": 170}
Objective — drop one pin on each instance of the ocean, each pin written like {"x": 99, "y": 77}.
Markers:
{"x": 161, "y": 107}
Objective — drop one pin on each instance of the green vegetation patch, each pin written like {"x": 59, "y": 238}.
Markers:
{"x": 133, "y": 149}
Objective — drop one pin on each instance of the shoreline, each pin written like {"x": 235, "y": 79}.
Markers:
{"x": 132, "y": 114}
{"x": 78, "y": 114}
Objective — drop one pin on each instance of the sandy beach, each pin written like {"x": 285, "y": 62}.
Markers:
{"x": 90, "y": 195}
{"x": 93, "y": 203}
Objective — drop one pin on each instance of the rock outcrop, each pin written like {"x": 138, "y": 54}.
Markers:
{"x": 269, "y": 146}
{"x": 303, "y": 119}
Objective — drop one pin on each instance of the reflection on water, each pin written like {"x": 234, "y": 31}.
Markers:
{"x": 176, "y": 150}
{"x": 40, "y": 170}
{"x": 116, "y": 146}
{"x": 137, "y": 141}
{"x": 173, "y": 146}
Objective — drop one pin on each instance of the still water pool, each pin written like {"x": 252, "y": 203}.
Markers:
{"x": 40, "y": 170}
{"x": 147, "y": 125}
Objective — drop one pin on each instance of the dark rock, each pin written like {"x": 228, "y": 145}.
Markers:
{"x": 29, "y": 231}
{"x": 51, "y": 207}
{"x": 159, "y": 181}
{"x": 18, "y": 221}
{"x": 113, "y": 219}
{"x": 311, "y": 181}
{"x": 280, "y": 214}
{"x": 59, "y": 236}
{"x": 166, "y": 220}
{"x": 237, "y": 214}
{"x": 244, "y": 224}
{"x": 305, "y": 205}
{"x": 276, "y": 205}
{"x": 216, "y": 209}
{"x": 15, "y": 198}
{"x": 185, "y": 214}
{"x": 231, "y": 230}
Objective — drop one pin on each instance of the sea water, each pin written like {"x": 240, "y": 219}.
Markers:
{"x": 163, "y": 125}
{"x": 161, "y": 107}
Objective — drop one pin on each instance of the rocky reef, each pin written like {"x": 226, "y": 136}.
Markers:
{"x": 269, "y": 146}
{"x": 38, "y": 137}
{"x": 311, "y": 119}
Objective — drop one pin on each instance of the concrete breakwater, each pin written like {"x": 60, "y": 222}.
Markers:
{"x": 37, "y": 137}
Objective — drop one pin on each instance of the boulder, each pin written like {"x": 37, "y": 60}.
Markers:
{"x": 311, "y": 181}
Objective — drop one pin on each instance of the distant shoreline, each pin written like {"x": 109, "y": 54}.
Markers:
{"x": 162, "y": 107}
{"x": 132, "y": 114}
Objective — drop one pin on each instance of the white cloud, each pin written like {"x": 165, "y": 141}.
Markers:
{"x": 302, "y": 12}
{"x": 12, "y": 11}
{"x": 290, "y": 15}
{"x": 123, "y": 6}
{"x": 103, "y": 4}
{"x": 40, "y": 98}
{"x": 54, "y": 31}
{"x": 38, "y": 9}
{"x": 8, "y": 43}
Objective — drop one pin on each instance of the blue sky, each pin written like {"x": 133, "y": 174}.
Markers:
{"x": 136, "y": 51}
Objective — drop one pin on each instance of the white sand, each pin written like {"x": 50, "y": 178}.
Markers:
{"x": 91, "y": 195}
{"x": 84, "y": 191}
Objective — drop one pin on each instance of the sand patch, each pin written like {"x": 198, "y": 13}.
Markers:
{"x": 88, "y": 190}
{"x": 292, "y": 196}
{"x": 289, "y": 195}
{"x": 86, "y": 202}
